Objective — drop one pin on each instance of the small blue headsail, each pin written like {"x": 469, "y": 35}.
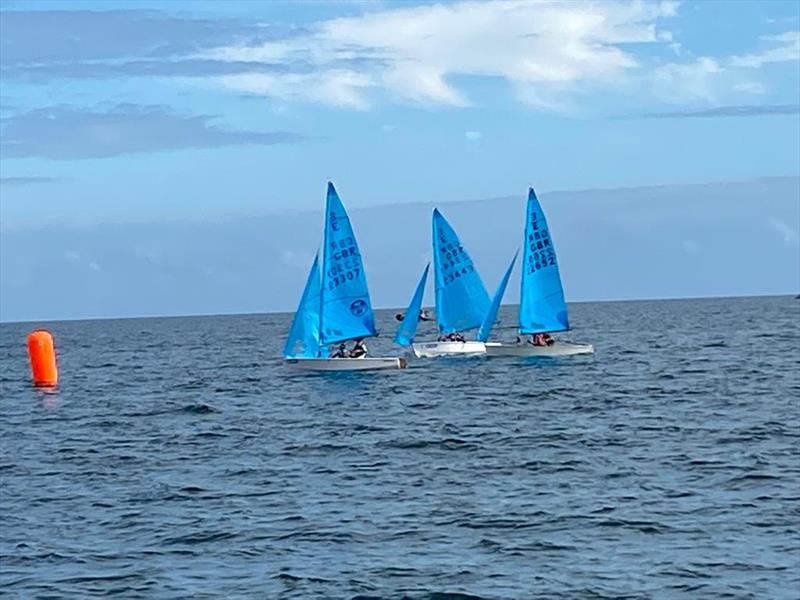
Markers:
{"x": 303, "y": 338}
{"x": 491, "y": 316}
{"x": 408, "y": 328}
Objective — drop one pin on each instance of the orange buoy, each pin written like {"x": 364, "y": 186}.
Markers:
{"x": 43, "y": 358}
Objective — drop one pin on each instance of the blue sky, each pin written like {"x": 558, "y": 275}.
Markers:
{"x": 145, "y": 111}
{"x": 144, "y": 115}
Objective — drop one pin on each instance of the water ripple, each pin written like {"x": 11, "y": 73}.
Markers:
{"x": 179, "y": 457}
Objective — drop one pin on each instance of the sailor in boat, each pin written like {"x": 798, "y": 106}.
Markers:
{"x": 424, "y": 315}
{"x": 359, "y": 349}
{"x": 341, "y": 351}
{"x": 452, "y": 337}
{"x": 541, "y": 339}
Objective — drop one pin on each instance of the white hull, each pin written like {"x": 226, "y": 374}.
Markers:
{"x": 526, "y": 349}
{"x": 436, "y": 349}
{"x": 346, "y": 364}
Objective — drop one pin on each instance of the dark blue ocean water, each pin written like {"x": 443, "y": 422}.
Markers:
{"x": 180, "y": 458}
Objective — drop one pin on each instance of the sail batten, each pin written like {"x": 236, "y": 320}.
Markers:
{"x": 461, "y": 298}
{"x": 542, "y": 306}
{"x": 345, "y": 307}
{"x": 408, "y": 328}
{"x": 491, "y": 316}
{"x": 304, "y": 334}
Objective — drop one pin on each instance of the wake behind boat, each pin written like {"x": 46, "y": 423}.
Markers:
{"x": 335, "y": 306}
{"x": 542, "y": 308}
{"x": 461, "y": 298}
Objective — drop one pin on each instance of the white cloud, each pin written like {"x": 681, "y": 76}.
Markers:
{"x": 785, "y": 48}
{"x": 473, "y": 135}
{"x": 75, "y": 258}
{"x": 750, "y": 87}
{"x": 549, "y": 53}
{"x": 296, "y": 259}
{"x": 707, "y": 79}
{"x": 781, "y": 20}
{"x": 413, "y": 53}
{"x": 788, "y": 234}
{"x": 680, "y": 83}
{"x": 690, "y": 247}
{"x": 149, "y": 255}
{"x": 335, "y": 86}
{"x": 669, "y": 8}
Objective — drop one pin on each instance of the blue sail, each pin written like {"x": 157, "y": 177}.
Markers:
{"x": 542, "y": 306}
{"x": 491, "y": 316}
{"x": 405, "y": 334}
{"x": 303, "y": 338}
{"x": 346, "y": 310}
{"x": 461, "y": 298}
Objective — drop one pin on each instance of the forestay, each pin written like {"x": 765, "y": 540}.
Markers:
{"x": 346, "y": 311}
{"x": 461, "y": 298}
{"x": 303, "y": 341}
{"x": 408, "y": 328}
{"x": 542, "y": 306}
{"x": 491, "y": 316}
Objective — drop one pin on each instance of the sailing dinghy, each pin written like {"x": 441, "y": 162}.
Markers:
{"x": 461, "y": 298}
{"x": 542, "y": 307}
{"x": 425, "y": 314}
{"x": 335, "y": 306}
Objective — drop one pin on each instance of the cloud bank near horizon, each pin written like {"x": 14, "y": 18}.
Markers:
{"x": 665, "y": 241}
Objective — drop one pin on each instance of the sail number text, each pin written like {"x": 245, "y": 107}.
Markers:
{"x": 454, "y": 261}
{"x": 344, "y": 261}
{"x": 540, "y": 253}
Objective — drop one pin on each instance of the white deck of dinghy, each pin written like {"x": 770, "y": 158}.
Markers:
{"x": 437, "y": 349}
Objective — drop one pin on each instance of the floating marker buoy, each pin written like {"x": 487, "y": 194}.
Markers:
{"x": 43, "y": 358}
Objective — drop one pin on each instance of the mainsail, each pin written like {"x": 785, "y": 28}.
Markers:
{"x": 542, "y": 307}
{"x": 345, "y": 307}
{"x": 491, "y": 316}
{"x": 303, "y": 338}
{"x": 408, "y": 328}
{"x": 461, "y": 298}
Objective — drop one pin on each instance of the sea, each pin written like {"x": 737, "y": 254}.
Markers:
{"x": 181, "y": 458}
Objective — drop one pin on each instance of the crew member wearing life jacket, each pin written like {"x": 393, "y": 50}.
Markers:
{"x": 359, "y": 349}
{"x": 542, "y": 339}
{"x": 452, "y": 337}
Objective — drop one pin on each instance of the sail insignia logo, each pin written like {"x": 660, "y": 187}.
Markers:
{"x": 358, "y": 307}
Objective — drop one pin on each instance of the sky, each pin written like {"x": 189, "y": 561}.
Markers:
{"x": 126, "y": 113}
{"x": 712, "y": 239}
